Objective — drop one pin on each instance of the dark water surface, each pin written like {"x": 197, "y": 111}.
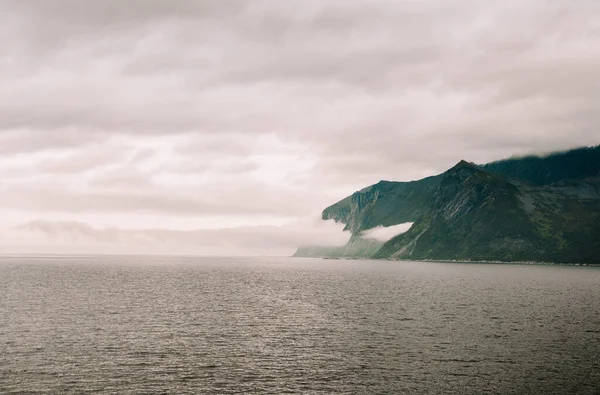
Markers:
{"x": 125, "y": 325}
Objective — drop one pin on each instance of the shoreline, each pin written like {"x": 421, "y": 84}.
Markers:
{"x": 489, "y": 262}
{"x": 534, "y": 263}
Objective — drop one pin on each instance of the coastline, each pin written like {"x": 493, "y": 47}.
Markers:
{"x": 489, "y": 262}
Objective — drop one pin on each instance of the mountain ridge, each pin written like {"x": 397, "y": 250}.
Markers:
{"x": 519, "y": 209}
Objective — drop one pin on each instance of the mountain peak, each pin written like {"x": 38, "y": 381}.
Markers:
{"x": 511, "y": 210}
{"x": 463, "y": 164}
{"x": 463, "y": 170}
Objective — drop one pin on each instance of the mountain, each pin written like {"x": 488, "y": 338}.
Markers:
{"x": 579, "y": 163}
{"x": 384, "y": 204}
{"x": 519, "y": 209}
{"x": 390, "y": 203}
{"x": 477, "y": 215}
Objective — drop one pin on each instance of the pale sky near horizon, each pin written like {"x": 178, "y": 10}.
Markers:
{"x": 225, "y": 127}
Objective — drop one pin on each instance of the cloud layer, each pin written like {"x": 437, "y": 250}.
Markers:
{"x": 385, "y": 233}
{"x": 202, "y": 115}
{"x": 45, "y": 236}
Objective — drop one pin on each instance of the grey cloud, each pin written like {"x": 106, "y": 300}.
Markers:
{"x": 356, "y": 90}
{"x": 124, "y": 178}
{"x": 82, "y": 161}
{"x": 143, "y": 154}
{"x": 373, "y": 49}
{"x": 217, "y": 145}
{"x": 71, "y": 229}
{"x": 18, "y": 141}
{"x": 225, "y": 200}
{"x": 55, "y": 22}
{"x": 236, "y": 167}
{"x": 253, "y": 239}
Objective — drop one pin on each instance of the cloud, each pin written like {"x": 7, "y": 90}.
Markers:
{"x": 254, "y": 240}
{"x": 277, "y": 109}
{"x": 384, "y": 233}
{"x": 260, "y": 199}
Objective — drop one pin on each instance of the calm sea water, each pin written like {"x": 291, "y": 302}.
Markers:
{"x": 125, "y": 325}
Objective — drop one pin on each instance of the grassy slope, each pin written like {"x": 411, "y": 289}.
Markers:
{"x": 479, "y": 216}
{"x": 532, "y": 208}
{"x": 579, "y": 163}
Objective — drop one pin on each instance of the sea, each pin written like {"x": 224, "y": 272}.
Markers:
{"x": 216, "y": 325}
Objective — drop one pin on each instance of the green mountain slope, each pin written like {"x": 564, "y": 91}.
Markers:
{"x": 523, "y": 209}
{"x": 579, "y": 163}
{"x": 480, "y": 216}
{"x": 390, "y": 203}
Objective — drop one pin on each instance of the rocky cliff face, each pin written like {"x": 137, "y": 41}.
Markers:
{"x": 475, "y": 216}
{"x": 479, "y": 216}
{"x": 385, "y": 203}
{"x": 390, "y": 203}
{"x": 528, "y": 209}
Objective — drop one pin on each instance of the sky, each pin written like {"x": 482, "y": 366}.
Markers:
{"x": 225, "y": 127}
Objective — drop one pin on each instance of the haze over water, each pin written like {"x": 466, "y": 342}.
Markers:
{"x": 139, "y": 325}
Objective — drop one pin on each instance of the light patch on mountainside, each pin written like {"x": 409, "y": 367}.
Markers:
{"x": 385, "y": 233}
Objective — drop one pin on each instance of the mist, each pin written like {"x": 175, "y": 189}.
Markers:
{"x": 43, "y": 237}
{"x": 385, "y": 233}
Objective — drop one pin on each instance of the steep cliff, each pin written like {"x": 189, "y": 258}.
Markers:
{"x": 390, "y": 203}
{"x": 480, "y": 216}
{"x": 384, "y": 204}
{"x": 520, "y": 209}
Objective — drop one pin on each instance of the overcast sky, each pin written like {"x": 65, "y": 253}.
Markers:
{"x": 150, "y": 125}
